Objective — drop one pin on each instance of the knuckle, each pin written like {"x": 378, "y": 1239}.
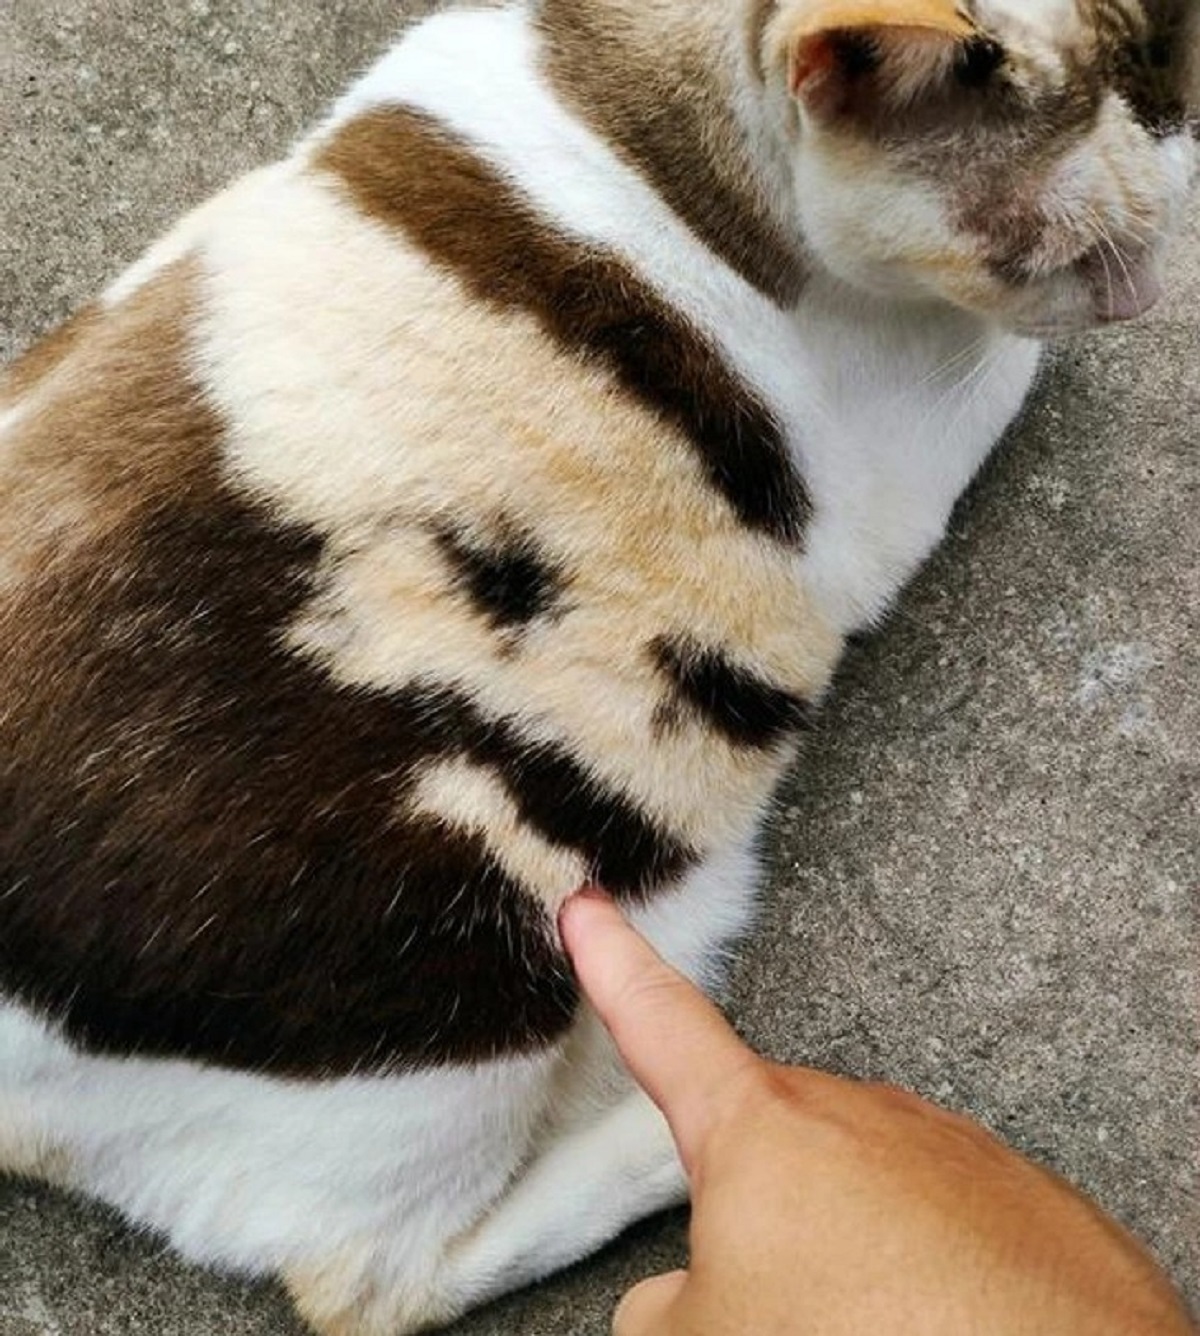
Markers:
{"x": 755, "y": 1090}
{"x": 761, "y": 1084}
{"x": 788, "y": 1089}
{"x": 649, "y": 990}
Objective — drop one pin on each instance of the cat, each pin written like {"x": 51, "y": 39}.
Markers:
{"x": 473, "y": 506}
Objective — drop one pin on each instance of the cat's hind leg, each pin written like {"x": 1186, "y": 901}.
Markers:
{"x": 586, "y": 1186}
{"x": 602, "y": 1159}
{"x": 347, "y": 1189}
{"x": 388, "y": 1205}
{"x": 606, "y": 1157}
{"x": 29, "y": 1144}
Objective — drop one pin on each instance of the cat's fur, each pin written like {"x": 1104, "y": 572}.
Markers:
{"x": 472, "y": 505}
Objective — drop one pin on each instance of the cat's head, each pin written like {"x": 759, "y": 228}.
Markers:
{"x": 1024, "y": 159}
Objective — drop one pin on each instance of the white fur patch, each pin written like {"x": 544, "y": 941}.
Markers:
{"x": 180, "y": 241}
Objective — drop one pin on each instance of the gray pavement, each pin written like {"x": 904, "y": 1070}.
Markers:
{"x": 986, "y": 877}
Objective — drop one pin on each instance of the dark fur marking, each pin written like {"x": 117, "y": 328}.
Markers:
{"x": 509, "y": 581}
{"x": 857, "y": 55}
{"x": 627, "y": 853}
{"x": 208, "y": 854}
{"x": 201, "y": 835}
{"x": 1150, "y": 50}
{"x": 203, "y": 846}
{"x": 1148, "y": 78}
{"x": 739, "y": 704}
{"x": 400, "y": 168}
{"x": 977, "y": 61}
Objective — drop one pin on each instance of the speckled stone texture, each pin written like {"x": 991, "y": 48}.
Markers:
{"x": 985, "y": 877}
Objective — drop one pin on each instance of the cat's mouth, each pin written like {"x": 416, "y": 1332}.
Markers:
{"x": 1105, "y": 286}
{"x": 1123, "y": 286}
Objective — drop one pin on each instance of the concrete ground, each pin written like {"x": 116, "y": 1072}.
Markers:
{"x": 986, "y": 876}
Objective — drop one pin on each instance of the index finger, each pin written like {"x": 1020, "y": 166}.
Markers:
{"x": 677, "y": 1045}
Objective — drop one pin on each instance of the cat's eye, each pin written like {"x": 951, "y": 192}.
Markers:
{"x": 977, "y": 61}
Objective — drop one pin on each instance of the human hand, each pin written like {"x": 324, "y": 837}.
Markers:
{"x": 830, "y": 1207}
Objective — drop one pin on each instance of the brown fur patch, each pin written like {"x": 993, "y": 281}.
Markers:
{"x": 46, "y": 355}
{"x": 106, "y": 435}
{"x": 201, "y": 839}
{"x": 1149, "y": 54}
{"x": 655, "y": 90}
{"x": 402, "y": 169}
{"x": 738, "y": 704}
{"x": 508, "y": 579}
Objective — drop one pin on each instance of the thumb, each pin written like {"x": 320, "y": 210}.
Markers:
{"x": 644, "y": 1310}
{"x": 678, "y": 1046}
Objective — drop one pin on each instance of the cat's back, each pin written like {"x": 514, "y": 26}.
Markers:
{"x": 385, "y": 555}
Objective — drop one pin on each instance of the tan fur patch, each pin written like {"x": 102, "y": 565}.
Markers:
{"x": 809, "y": 17}
{"x": 758, "y": 14}
{"x": 341, "y": 1297}
{"x": 45, "y": 356}
{"x": 329, "y": 1297}
{"x": 31, "y": 1154}
{"x": 363, "y": 431}
{"x": 105, "y": 430}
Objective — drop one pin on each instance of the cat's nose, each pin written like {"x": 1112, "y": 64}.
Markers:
{"x": 1124, "y": 284}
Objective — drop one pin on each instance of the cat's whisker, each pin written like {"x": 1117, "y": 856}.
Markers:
{"x": 975, "y": 386}
{"x": 1108, "y": 282}
{"x": 955, "y": 360}
{"x": 1106, "y": 242}
{"x": 935, "y": 409}
{"x": 962, "y": 385}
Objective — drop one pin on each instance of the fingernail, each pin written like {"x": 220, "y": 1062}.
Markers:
{"x": 590, "y": 894}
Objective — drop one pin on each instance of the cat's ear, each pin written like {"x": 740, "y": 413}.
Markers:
{"x": 857, "y": 55}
